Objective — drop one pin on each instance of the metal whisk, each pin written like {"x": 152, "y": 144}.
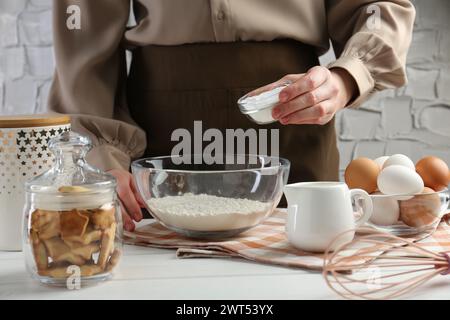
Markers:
{"x": 380, "y": 266}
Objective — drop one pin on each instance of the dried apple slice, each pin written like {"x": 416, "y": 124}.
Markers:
{"x": 73, "y": 223}
{"x": 71, "y": 258}
{"x": 72, "y": 189}
{"x": 59, "y": 251}
{"x": 89, "y": 236}
{"x": 90, "y": 270}
{"x": 57, "y": 271}
{"x": 103, "y": 217}
{"x": 86, "y": 251}
{"x": 47, "y": 223}
{"x": 114, "y": 260}
{"x": 107, "y": 245}
{"x": 39, "y": 251}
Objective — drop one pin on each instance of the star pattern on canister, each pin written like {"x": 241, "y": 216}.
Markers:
{"x": 24, "y": 154}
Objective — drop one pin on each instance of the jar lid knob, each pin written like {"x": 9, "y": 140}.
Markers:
{"x": 70, "y": 140}
{"x": 70, "y": 149}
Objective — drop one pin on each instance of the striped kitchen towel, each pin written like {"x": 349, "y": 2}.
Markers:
{"x": 265, "y": 243}
{"x": 439, "y": 241}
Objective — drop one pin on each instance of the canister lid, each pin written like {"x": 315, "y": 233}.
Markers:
{"x": 34, "y": 120}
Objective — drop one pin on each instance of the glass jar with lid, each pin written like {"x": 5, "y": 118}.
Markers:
{"x": 72, "y": 226}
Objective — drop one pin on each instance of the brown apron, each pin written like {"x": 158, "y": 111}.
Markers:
{"x": 170, "y": 87}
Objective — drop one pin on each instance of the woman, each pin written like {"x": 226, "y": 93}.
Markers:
{"x": 193, "y": 59}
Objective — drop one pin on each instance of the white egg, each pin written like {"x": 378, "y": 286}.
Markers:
{"x": 381, "y": 160}
{"x": 401, "y": 160}
{"x": 386, "y": 210}
{"x": 397, "y": 179}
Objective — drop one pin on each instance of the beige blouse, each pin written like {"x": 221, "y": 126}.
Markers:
{"x": 90, "y": 69}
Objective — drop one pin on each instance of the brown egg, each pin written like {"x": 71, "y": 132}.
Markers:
{"x": 434, "y": 172}
{"x": 362, "y": 173}
{"x": 421, "y": 210}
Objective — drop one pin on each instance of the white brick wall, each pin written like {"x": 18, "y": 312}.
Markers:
{"x": 414, "y": 120}
{"x": 26, "y": 56}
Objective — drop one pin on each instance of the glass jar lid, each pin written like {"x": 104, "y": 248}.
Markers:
{"x": 71, "y": 182}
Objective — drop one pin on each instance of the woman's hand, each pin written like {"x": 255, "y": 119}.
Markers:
{"x": 313, "y": 97}
{"x": 130, "y": 200}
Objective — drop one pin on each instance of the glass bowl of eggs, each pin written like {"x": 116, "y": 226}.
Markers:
{"x": 407, "y": 198}
{"x": 405, "y": 215}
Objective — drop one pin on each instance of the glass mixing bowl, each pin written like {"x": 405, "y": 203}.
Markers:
{"x": 405, "y": 215}
{"x": 211, "y": 200}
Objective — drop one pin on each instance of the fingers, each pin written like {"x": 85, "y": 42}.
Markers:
{"x": 320, "y": 113}
{"x": 306, "y": 100}
{"x": 128, "y": 194}
{"x": 311, "y": 98}
{"x": 128, "y": 198}
{"x": 313, "y": 79}
{"x": 128, "y": 224}
{"x": 136, "y": 193}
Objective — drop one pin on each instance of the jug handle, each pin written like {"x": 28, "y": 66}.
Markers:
{"x": 291, "y": 216}
{"x": 367, "y": 205}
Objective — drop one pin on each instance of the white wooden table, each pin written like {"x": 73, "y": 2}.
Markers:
{"x": 147, "y": 273}
{"x": 150, "y": 273}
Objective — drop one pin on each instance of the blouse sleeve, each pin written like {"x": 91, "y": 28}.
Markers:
{"x": 371, "y": 40}
{"x": 89, "y": 82}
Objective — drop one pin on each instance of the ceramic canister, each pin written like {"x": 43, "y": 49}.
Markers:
{"x": 23, "y": 154}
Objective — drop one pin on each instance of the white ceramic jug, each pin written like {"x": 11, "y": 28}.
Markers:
{"x": 320, "y": 211}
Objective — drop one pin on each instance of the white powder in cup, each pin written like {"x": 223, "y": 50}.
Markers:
{"x": 204, "y": 212}
{"x": 262, "y": 100}
{"x": 259, "y": 107}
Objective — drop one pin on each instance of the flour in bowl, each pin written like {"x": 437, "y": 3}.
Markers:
{"x": 204, "y": 212}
